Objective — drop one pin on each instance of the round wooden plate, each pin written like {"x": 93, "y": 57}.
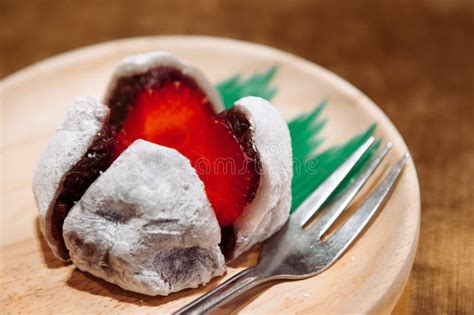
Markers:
{"x": 368, "y": 278}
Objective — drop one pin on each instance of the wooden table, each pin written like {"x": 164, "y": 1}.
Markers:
{"x": 414, "y": 59}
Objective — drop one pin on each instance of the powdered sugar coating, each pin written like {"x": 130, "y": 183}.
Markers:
{"x": 143, "y": 62}
{"x": 146, "y": 224}
{"x": 83, "y": 120}
{"x": 270, "y": 208}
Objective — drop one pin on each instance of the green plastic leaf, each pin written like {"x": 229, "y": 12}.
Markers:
{"x": 310, "y": 174}
{"x": 258, "y": 84}
{"x": 304, "y": 133}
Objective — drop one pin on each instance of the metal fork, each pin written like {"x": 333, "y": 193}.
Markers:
{"x": 298, "y": 251}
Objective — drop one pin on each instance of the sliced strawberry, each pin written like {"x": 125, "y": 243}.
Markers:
{"x": 166, "y": 107}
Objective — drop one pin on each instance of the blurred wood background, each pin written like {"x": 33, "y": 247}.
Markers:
{"x": 413, "y": 58}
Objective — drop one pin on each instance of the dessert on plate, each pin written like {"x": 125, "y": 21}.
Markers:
{"x": 156, "y": 187}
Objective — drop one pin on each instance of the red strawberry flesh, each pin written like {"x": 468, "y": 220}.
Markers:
{"x": 165, "y": 107}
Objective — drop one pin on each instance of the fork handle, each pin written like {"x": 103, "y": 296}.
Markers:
{"x": 235, "y": 286}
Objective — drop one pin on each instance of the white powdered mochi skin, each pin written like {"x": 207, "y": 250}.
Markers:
{"x": 146, "y": 225}
{"x": 84, "y": 119}
{"x": 270, "y": 209}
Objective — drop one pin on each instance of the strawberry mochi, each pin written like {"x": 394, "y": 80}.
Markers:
{"x": 100, "y": 183}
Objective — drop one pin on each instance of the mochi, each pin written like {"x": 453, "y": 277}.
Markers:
{"x": 151, "y": 189}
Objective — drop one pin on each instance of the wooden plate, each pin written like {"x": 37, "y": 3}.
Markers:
{"x": 369, "y": 278}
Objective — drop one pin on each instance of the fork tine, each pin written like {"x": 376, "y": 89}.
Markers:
{"x": 331, "y": 214}
{"x": 312, "y": 204}
{"x": 343, "y": 237}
